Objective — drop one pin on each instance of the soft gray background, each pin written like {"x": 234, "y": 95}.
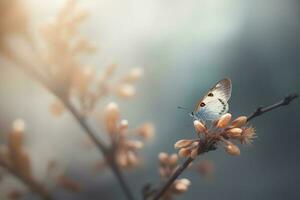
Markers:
{"x": 185, "y": 47}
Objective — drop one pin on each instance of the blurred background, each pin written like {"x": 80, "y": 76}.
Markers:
{"x": 184, "y": 47}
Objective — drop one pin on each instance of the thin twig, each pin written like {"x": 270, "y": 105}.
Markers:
{"x": 29, "y": 182}
{"x": 181, "y": 168}
{"x": 261, "y": 110}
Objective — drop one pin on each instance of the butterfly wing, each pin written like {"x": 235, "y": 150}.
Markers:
{"x": 214, "y": 104}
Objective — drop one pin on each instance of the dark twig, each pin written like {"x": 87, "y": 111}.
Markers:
{"x": 29, "y": 182}
{"x": 284, "y": 102}
{"x": 259, "y": 111}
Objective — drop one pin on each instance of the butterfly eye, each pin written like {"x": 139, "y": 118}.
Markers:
{"x": 210, "y": 94}
{"x": 202, "y": 104}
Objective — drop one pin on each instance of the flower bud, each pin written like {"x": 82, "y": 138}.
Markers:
{"x": 134, "y": 144}
{"x": 123, "y": 124}
{"x": 125, "y": 90}
{"x": 19, "y": 125}
{"x": 199, "y": 127}
{"x": 181, "y": 185}
{"x": 185, "y": 181}
{"x": 184, "y": 152}
{"x": 224, "y": 120}
{"x": 239, "y": 122}
{"x": 163, "y": 158}
{"x": 194, "y": 153}
{"x": 232, "y": 149}
{"x": 146, "y": 130}
{"x": 234, "y": 132}
{"x": 135, "y": 74}
{"x": 182, "y": 143}
{"x": 173, "y": 159}
{"x": 111, "y": 117}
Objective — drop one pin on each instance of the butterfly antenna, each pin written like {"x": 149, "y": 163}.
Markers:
{"x": 182, "y": 108}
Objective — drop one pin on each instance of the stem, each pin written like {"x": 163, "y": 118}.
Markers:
{"x": 259, "y": 111}
{"x": 174, "y": 176}
{"x": 106, "y": 151}
{"x": 29, "y": 182}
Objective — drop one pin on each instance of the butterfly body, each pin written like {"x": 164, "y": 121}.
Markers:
{"x": 215, "y": 103}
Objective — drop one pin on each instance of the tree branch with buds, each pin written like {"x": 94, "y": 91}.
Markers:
{"x": 234, "y": 130}
{"x": 33, "y": 185}
{"x": 15, "y": 160}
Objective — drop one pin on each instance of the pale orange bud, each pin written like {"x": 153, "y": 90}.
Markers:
{"x": 56, "y": 108}
{"x": 125, "y": 90}
{"x": 111, "y": 116}
{"x": 133, "y": 75}
{"x": 234, "y": 132}
{"x": 146, "y": 130}
{"x": 173, "y": 159}
{"x": 163, "y": 158}
{"x": 239, "y": 122}
{"x": 15, "y": 139}
{"x": 123, "y": 124}
{"x": 199, "y": 127}
{"x": 181, "y": 185}
{"x": 182, "y": 143}
{"x": 19, "y": 125}
{"x": 224, "y": 120}
{"x": 232, "y": 149}
{"x": 194, "y": 153}
{"x": 184, "y": 152}
{"x": 185, "y": 181}
{"x": 134, "y": 144}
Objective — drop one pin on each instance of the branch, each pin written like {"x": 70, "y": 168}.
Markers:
{"x": 259, "y": 111}
{"x": 29, "y": 182}
{"x": 106, "y": 151}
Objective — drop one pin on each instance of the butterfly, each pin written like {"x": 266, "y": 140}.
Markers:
{"x": 215, "y": 103}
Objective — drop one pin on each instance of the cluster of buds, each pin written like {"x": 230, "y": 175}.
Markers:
{"x": 125, "y": 148}
{"x": 69, "y": 78}
{"x": 167, "y": 166}
{"x": 221, "y": 131}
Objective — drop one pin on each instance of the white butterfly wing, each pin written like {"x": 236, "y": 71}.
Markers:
{"x": 222, "y": 89}
{"x": 214, "y": 104}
